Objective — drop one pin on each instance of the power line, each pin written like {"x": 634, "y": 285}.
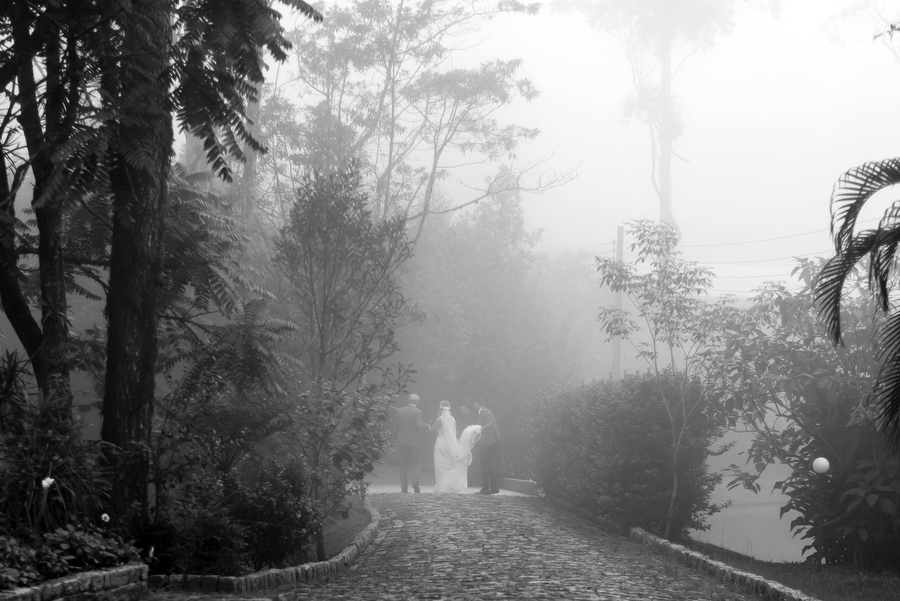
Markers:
{"x": 767, "y": 260}
{"x": 753, "y": 261}
{"x": 752, "y": 241}
{"x": 768, "y": 239}
{"x": 751, "y": 277}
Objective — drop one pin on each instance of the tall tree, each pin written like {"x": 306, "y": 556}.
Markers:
{"x": 48, "y": 53}
{"x": 657, "y": 36}
{"x": 139, "y": 160}
{"x": 375, "y": 86}
{"x": 212, "y": 68}
{"x": 97, "y": 128}
{"x": 344, "y": 270}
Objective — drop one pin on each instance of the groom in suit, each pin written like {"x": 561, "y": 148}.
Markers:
{"x": 490, "y": 450}
{"x": 408, "y": 431}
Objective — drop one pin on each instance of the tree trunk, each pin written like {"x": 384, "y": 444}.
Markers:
{"x": 670, "y": 516}
{"x": 138, "y": 181}
{"x": 321, "y": 555}
{"x": 50, "y": 363}
{"x": 46, "y": 342}
{"x": 666, "y": 131}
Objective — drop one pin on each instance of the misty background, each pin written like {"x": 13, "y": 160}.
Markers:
{"x": 773, "y": 110}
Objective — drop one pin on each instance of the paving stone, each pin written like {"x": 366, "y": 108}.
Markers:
{"x": 478, "y": 547}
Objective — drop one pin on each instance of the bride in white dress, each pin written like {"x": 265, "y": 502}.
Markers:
{"x": 452, "y": 455}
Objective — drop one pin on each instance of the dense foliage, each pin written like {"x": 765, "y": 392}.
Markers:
{"x": 605, "y": 447}
{"x": 51, "y": 488}
{"x": 280, "y": 413}
{"x": 343, "y": 268}
{"x": 91, "y": 91}
{"x": 59, "y": 553}
{"x": 804, "y": 398}
{"x": 253, "y": 516}
{"x": 345, "y": 296}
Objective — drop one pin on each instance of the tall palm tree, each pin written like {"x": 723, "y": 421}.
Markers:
{"x": 851, "y": 192}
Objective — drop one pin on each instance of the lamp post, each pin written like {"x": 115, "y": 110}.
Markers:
{"x": 820, "y": 466}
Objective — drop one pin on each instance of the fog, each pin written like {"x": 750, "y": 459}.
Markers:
{"x": 773, "y": 113}
{"x": 502, "y": 307}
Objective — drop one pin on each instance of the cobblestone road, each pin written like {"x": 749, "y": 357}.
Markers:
{"x": 477, "y": 547}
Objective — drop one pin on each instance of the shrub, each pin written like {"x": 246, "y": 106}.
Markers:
{"x": 49, "y": 476}
{"x": 20, "y": 566}
{"x": 233, "y": 523}
{"x": 198, "y": 542}
{"x": 607, "y": 447}
{"x": 193, "y": 533}
{"x": 88, "y": 550}
{"x": 272, "y": 509}
{"x": 58, "y": 553}
{"x": 782, "y": 379}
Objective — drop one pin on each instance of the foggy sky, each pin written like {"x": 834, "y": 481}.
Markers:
{"x": 773, "y": 113}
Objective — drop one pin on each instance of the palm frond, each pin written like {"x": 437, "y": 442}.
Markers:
{"x": 886, "y": 392}
{"x": 851, "y": 192}
{"x": 882, "y": 260}
{"x": 829, "y": 284}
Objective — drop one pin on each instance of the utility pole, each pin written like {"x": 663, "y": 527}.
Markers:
{"x": 617, "y": 342}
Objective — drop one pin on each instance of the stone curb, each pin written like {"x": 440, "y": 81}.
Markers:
{"x": 119, "y": 583}
{"x": 314, "y": 572}
{"x": 745, "y": 582}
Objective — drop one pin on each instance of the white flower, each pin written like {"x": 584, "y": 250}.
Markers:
{"x": 105, "y": 517}
{"x": 150, "y": 554}
{"x": 46, "y": 482}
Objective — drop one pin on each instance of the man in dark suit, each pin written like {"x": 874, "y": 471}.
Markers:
{"x": 490, "y": 450}
{"x": 468, "y": 418}
{"x": 408, "y": 431}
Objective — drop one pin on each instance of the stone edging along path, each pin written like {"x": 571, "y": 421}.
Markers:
{"x": 319, "y": 571}
{"x": 110, "y": 584}
{"x": 745, "y": 582}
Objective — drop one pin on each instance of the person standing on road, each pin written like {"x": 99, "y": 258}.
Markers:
{"x": 490, "y": 450}
{"x": 408, "y": 431}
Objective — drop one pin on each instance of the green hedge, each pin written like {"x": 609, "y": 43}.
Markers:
{"x": 607, "y": 447}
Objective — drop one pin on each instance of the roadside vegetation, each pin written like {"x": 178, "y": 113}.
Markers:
{"x": 826, "y": 583}
{"x": 242, "y": 323}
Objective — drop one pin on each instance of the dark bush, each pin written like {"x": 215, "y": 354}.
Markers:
{"x": 273, "y": 511}
{"x": 232, "y": 524}
{"x": 19, "y": 564}
{"x": 91, "y": 550}
{"x": 607, "y": 447}
{"x": 201, "y": 542}
{"x": 59, "y": 553}
{"x": 49, "y": 476}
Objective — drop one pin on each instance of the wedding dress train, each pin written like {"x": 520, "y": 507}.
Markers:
{"x": 452, "y": 456}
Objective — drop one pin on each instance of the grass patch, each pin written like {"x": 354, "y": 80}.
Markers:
{"x": 340, "y": 532}
{"x": 827, "y": 583}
